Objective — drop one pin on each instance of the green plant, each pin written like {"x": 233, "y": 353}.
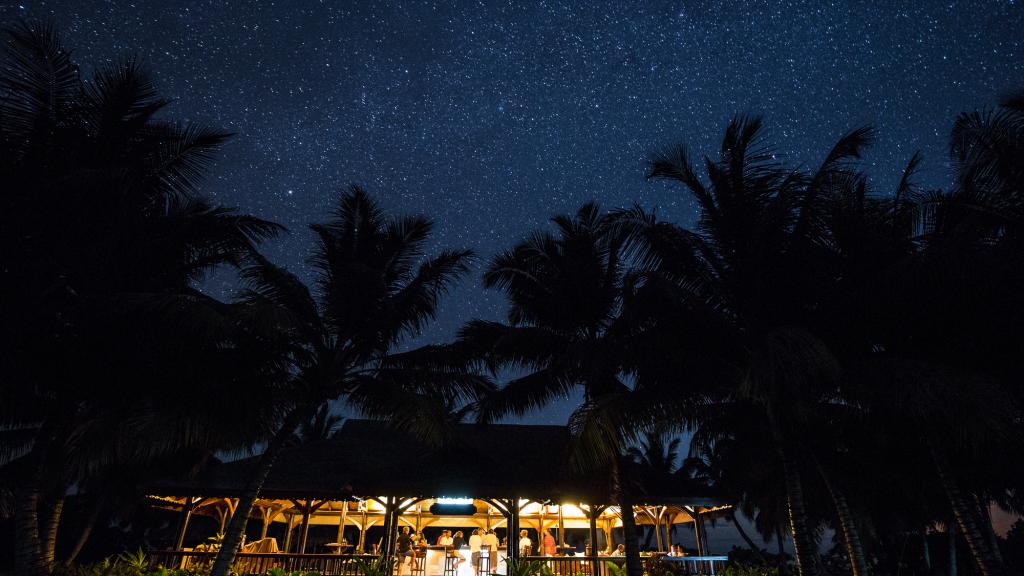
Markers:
{"x": 375, "y": 567}
{"x": 737, "y": 569}
{"x": 521, "y": 567}
{"x": 616, "y": 569}
{"x": 132, "y": 563}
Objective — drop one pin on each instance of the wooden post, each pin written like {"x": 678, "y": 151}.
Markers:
{"x": 512, "y": 549}
{"x": 288, "y": 533}
{"x": 264, "y": 511}
{"x": 697, "y": 529}
{"x": 669, "y": 518}
{"x": 561, "y": 529}
{"x": 306, "y": 511}
{"x": 592, "y": 552}
{"x": 608, "y": 535}
{"x": 341, "y": 523}
{"x": 186, "y": 515}
{"x": 390, "y": 527}
{"x": 361, "y": 546}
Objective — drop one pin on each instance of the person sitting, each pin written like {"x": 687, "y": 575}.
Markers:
{"x": 620, "y": 550}
{"x": 403, "y": 548}
{"x": 458, "y": 541}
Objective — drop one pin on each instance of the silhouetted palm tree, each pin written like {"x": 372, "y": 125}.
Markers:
{"x": 376, "y": 288}
{"x": 106, "y": 234}
{"x": 656, "y": 453}
{"x": 320, "y": 427}
{"x": 747, "y": 275}
{"x": 575, "y": 322}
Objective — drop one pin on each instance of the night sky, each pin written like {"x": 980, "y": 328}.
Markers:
{"x": 492, "y": 117}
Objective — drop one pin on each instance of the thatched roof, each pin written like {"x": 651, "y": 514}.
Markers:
{"x": 370, "y": 458}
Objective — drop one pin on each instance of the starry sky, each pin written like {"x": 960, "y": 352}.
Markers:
{"x": 490, "y": 117}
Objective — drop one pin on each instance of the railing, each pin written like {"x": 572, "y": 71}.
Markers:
{"x": 598, "y": 565}
{"x": 260, "y": 563}
{"x": 710, "y": 565}
{"x": 346, "y": 565}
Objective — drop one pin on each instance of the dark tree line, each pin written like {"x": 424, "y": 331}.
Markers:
{"x": 846, "y": 357}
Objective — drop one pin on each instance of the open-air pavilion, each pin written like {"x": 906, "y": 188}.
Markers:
{"x": 327, "y": 504}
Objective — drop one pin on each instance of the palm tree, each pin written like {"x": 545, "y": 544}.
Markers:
{"x": 582, "y": 317}
{"x": 320, "y": 427}
{"x": 750, "y": 275}
{"x": 108, "y": 234}
{"x": 657, "y": 453}
{"x": 376, "y": 288}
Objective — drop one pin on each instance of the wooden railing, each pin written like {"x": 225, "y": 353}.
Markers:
{"x": 260, "y": 563}
{"x": 346, "y": 565}
{"x": 598, "y": 566}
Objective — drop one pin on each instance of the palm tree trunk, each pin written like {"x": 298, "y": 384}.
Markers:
{"x": 951, "y": 536}
{"x": 630, "y": 535}
{"x": 746, "y": 538}
{"x": 988, "y": 564}
{"x": 49, "y": 535}
{"x": 804, "y": 547}
{"x": 233, "y": 535}
{"x": 86, "y": 531}
{"x": 781, "y": 542}
{"x": 28, "y": 550}
{"x": 985, "y": 516}
{"x": 851, "y": 535}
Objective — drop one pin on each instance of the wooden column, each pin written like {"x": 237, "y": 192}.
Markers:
{"x": 656, "y": 517}
{"x": 361, "y": 546}
{"x": 512, "y": 549}
{"x": 389, "y": 528}
{"x": 608, "y": 536}
{"x": 341, "y": 522}
{"x": 697, "y": 533}
{"x": 288, "y": 533}
{"x": 306, "y": 511}
{"x": 186, "y": 515}
{"x": 561, "y": 528}
{"x": 592, "y": 513}
{"x": 669, "y": 519}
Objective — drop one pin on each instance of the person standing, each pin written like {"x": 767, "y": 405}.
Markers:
{"x": 475, "y": 543}
{"x": 525, "y": 544}
{"x": 491, "y": 544}
{"x": 549, "y": 543}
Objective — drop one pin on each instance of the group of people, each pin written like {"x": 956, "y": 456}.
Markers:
{"x": 483, "y": 543}
{"x": 482, "y": 540}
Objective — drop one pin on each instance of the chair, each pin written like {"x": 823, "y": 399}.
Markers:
{"x": 419, "y": 563}
{"x": 485, "y": 561}
{"x": 450, "y": 563}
